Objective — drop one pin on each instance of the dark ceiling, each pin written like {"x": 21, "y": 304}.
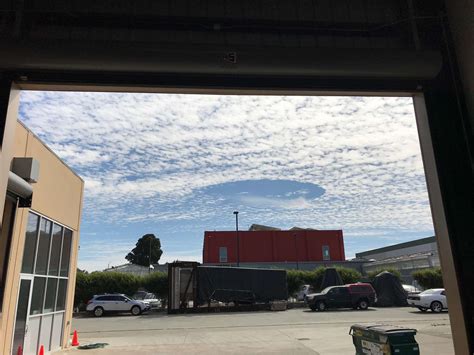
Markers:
{"x": 262, "y": 23}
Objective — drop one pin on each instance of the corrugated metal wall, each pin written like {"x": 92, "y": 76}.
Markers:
{"x": 273, "y": 246}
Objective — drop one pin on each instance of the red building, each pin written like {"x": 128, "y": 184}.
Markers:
{"x": 273, "y": 246}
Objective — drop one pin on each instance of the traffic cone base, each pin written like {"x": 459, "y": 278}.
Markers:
{"x": 75, "y": 339}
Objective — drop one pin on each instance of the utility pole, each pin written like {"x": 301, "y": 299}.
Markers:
{"x": 296, "y": 253}
{"x": 149, "y": 258}
{"x": 237, "y": 234}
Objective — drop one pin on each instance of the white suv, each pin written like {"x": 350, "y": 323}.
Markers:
{"x": 434, "y": 299}
{"x": 100, "y": 304}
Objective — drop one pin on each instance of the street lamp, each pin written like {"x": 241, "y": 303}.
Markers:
{"x": 237, "y": 234}
{"x": 296, "y": 252}
{"x": 150, "y": 266}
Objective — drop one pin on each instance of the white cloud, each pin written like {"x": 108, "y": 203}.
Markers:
{"x": 144, "y": 157}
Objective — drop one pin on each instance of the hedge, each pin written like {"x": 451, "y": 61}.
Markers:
{"x": 429, "y": 278}
{"x": 88, "y": 285}
{"x": 348, "y": 275}
{"x": 371, "y": 274}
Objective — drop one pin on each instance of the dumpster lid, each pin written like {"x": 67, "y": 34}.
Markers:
{"x": 390, "y": 329}
{"x": 383, "y": 328}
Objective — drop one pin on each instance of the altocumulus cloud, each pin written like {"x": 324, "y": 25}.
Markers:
{"x": 179, "y": 164}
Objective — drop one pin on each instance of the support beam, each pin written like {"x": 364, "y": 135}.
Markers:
{"x": 451, "y": 195}
{"x": 451, "y": 283}
{"x": 9, "y": 102}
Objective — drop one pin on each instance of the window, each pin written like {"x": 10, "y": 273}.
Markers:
{"x": 223, "y": 254}
{"x": 103, "y": 298}
{"x": 360, "y": 289}
{"x": 66, "y": 252}
{"x": 44, "y": 242}
{"x": 326, "y": 255}
{"x": 55, "y": 250}
{"x": 51, "y": 288}
{"x": 30, "y": 244}
{"x": 61, "y": 299}
{"x": 38, "y": 295}
{"x": 343, "y": 291}
{"x": 46, "y": 256}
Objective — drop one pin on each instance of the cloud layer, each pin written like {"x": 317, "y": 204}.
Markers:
{"x": 148, "y": 159}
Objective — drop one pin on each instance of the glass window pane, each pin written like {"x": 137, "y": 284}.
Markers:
{"x": 50, "y": 295}
{"x": 61, "y": 301}
{"x": 223, "y": 254}
{"x": 43, "y": 247}
{"x": 38, "y": 295}
{"x": 326, "y": 255}
{"x": 55, "y": 250}
{"x": 30, "y": 244}
{"x": 66, "y": 254}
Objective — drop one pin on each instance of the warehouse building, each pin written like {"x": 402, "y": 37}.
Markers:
{"x": 38, "y": 248}
{"x": 406, "y": 257}
{"x": 261, "y": 246}
{"x": 138, "y": 270}
{"x": 418, "y": 49}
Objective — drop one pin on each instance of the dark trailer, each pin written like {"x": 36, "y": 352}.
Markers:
{"x": 240, "y": 285}
{"x": 195, "y": 287}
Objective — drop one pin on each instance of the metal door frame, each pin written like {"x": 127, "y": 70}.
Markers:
{"x": 23, "y": 277}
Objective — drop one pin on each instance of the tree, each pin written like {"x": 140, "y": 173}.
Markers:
{"x": 147, "y": 251}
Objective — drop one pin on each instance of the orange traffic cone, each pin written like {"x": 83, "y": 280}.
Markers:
{"x": 41, "y": 352}
{"x": 20, "y": 350}
{"x": 75, "y": 340}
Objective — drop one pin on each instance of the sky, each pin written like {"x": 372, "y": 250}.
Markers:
{"x": 176, "y": 165}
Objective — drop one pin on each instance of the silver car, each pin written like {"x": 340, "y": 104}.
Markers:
{"x": 149, "y": 298}
{"x": 115, "y": 303}
{"x": 304, "y": 291}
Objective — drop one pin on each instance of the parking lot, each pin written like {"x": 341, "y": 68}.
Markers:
{"x": 296, "y": 331}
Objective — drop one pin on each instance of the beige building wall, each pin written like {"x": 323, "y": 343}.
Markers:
{"x": 58, "y": 196}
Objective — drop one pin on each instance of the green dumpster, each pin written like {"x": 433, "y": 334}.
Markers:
{"x": 378, "y": 339}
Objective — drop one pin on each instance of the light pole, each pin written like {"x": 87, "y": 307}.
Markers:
{"x": 149, "y": 259}
{"x": 296, "y": 252}
{"x": 237, "y": 234}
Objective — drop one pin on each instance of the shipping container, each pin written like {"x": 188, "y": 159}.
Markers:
{"x": 240, "y": 285}
{"x": 272, "y": 246}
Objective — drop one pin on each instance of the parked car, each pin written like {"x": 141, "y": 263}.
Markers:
{"x": 359, "y": 295}
{"x": 148, "y": 297}
{"x": 434, "y": 299}
{"x": 115, "y": 303}
{"x": 303, "y": 292}
{"x": 411, "y": 290}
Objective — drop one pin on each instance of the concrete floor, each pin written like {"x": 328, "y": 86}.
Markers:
{"x": 296, "y": 331}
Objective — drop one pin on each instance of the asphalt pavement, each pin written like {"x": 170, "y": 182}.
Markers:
{"x": 296, "y": 331}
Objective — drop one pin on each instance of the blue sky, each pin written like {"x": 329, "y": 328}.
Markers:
{"x": 176, "y": 165}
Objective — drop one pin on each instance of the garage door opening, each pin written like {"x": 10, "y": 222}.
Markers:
{"x": 180, "y": 165}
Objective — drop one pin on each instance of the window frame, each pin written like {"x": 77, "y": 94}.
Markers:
{"x": 323, "y": 249}
{"x": 46, "y": 277}
{"x": 221, "y": 258}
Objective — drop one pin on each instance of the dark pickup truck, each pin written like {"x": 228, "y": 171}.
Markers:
{"x": 359, "y": 295}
